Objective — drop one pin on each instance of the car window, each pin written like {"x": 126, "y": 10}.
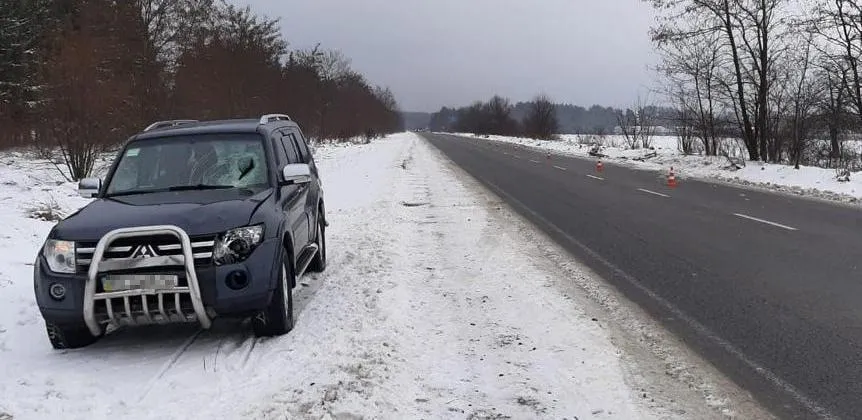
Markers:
{"x": 182, "y": 161}
{"x": 290, "y": 149}
{"x": 279, "y": 149}
{"x": 301, "y": 146}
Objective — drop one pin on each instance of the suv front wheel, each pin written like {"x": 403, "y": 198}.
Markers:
{"x": 277, "y": 318}
{"x": 69, "y": 337}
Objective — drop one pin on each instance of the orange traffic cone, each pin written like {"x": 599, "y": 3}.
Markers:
{"x": 671, "y": 178}
{"x": 599, "y": 166}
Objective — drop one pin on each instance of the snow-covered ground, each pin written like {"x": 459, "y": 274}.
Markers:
{"x": 438, "y": 302}
{"x": 806, "y": 181}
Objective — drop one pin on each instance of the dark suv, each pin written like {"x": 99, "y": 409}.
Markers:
{"x": 195, "y": 220}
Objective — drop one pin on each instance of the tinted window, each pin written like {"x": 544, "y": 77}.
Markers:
{"x": 279, "y": 149}
{"x": 290, "y": 149}
{"x": 303, "y": 148}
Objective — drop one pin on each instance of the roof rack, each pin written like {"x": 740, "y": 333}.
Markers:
{"x": 170, "y": 123}
{"x": 274, "y": 117}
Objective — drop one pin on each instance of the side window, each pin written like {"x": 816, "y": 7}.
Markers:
{"x": 290, "y": 149}
{"x": 279, "y": 149}
{"x": 303, "y": 148}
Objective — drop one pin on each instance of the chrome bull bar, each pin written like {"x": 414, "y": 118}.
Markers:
{"x": 186, "y": 260}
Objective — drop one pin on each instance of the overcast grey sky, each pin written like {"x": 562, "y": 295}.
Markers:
{"x": 452, "y": 52}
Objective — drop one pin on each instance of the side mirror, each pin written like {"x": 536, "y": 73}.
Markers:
{"x": 89, "y": 187}
{"x": 296, "y": 173}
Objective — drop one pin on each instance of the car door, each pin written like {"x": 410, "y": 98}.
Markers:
{"x": 314, "y": 188}
{"x": 294, "y": 197}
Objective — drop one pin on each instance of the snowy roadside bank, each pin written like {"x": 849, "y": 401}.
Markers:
{"x": 437, "y": 303}
{"x": 806, "y": 181}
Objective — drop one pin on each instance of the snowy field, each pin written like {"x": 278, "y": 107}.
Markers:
{"x": 433, "y": 306}
{"x": 806, "y": 181}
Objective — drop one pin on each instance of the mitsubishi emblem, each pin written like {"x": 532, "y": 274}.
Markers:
{"x": 144, "y": 251}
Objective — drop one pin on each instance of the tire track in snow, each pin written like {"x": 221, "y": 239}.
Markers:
{"x": 202, "y": 368}
{"x": 248, "y": 352}
{"x": 168, "y": 364}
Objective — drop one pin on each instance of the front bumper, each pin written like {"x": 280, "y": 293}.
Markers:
{"x": 202, "y": 295}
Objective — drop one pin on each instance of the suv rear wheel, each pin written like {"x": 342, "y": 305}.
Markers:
{"x": 277, "y": 318}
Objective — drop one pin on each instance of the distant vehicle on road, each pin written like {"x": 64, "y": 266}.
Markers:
{"x": 194, "y": 220}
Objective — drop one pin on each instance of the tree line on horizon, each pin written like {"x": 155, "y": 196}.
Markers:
{"x": 496, "y": 117}
{"x": 83, "y": 75}
{"x": 520, "y": 118}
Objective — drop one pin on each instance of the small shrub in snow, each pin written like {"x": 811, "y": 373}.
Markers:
{"x": 48, "y": 211}
{"x": 596, "y": 150}
{"x": 734, "y": 163}
{"x": 842, "y": 174}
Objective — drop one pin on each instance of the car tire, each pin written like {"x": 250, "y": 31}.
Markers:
{"x": 318, "y": 263}
{"x": 69, "y": 337}
{"x": 277, "y": 318}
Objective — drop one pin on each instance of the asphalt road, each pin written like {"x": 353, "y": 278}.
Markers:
{"x": 766, "y": 286}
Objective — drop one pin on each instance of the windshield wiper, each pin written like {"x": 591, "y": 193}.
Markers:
{"x": 199, "y": 187}
{"x": 132, "y": 192}
{"x": 174, "y": 188}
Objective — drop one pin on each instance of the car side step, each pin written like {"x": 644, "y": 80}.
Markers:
{"x": 305, "y": 259}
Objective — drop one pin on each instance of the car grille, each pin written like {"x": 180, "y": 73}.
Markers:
{"x": 159, "y": 308}
{"x": 202, "y": 248}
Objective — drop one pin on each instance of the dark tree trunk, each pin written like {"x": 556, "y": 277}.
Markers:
{"x": 748, "y": 134}
{"x": 835, "y": 147}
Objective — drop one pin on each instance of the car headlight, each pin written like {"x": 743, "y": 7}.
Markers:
{"x": 237, "y": 244}
{"x": 60, "y": 256}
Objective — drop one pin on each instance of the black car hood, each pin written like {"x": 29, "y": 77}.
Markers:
{"x": 196, "y": 212}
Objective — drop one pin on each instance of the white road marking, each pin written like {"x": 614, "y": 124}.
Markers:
{"x": 560, "y": 168}
{"x": 764, "y": 221}
{"x": 534, "y": 161}
{"x": 596, "y": 177}
{"x": 654, "y": 193}
{"x": 694, "y": 324}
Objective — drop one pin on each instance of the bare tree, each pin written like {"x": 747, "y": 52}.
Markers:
{"x": 833, "y": 102}
{"x": 691, "y": 69}
{"x": 638, "y": 124}
{"x": 684, "y": 128}
{"x": 628, "y": 125}
{"x": 500, "y": 112}
{"x": 807, "y": 89}
{"x": 89, "y": 89}
{"x": 747, "y": 30}
{"x": 839, "y": 24}
{"x": 541, "y": 120}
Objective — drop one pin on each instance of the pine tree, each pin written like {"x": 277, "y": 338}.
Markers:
{"x": 23, "y": 24}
